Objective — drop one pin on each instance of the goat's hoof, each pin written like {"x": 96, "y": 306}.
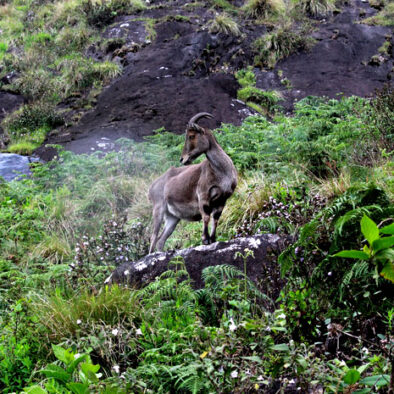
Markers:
{"x": 205, "y": 241}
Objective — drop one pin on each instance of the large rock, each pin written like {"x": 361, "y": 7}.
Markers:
{"x": 261, "y": 267}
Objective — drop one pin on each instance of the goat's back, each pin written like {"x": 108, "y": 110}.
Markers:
{"x": 175, "y": 181}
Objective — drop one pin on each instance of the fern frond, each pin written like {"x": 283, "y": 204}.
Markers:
{"x": 355, "y": 214}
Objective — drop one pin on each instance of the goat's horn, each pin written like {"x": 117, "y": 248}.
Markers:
{"x": 200, "y": 115}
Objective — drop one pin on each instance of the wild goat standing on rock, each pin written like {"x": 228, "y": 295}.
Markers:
{"x": 194, "y": 192}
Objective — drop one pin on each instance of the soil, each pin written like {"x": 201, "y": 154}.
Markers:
{"x": 180, "y": 68}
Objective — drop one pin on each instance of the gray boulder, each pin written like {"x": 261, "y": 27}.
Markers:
{"x": 261, "y": 266}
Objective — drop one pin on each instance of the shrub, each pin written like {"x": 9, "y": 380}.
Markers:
{"x": 223, "y": 23}
{"x": 383, "y": 114}
{"x": 315, "y": 7}
{"x": 32, "y": 117}
{"x": 263, "y": 8}
{"x": 279, "y": 44}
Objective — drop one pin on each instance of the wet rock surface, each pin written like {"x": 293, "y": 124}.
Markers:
{"x": 261, "y": 267}
{"x": 13, "y": 166}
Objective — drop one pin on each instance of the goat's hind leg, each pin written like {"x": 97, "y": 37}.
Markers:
{"x": 158, "y": 214}
{"x": 170, "y": 222}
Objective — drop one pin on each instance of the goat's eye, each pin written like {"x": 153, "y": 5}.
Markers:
{"x": 191, "y": 137}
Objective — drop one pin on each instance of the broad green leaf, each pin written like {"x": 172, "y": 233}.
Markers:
{"x": 35, "y": 390}
{"x": 89, "y": 370}
{"x": 71, "y": 368}
{"x": 389, "y": 230}
{"x": 362, "y": 391}
{"x": 65, "y": 355}
{"x": 352, "y": 254}
{"x": 388, "y": 271}
{"x": 383, "y": 243}
{"x": 385, "y": 254}
{"x": 79, "y": 388}
{"x": 60, "y": 353}
{"x": 376, "y": 380}
{"x": 282, "y": 347}
{"x": 369, "y": 229}
{"x": 352, "y": 376}
{"x": 56, "y": 372}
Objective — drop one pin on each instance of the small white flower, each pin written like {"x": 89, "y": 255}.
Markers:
{"x": 342, "y": 364}
{"x": 232, "y": 326}
{"x": 127, "y": 272}
{"x": 234, "y": 374}
{"x": 365, "y": 350}
{"x": 330, "y": 273}
{"x": 282, "y": 316}
{"x": 77, "y": 355}
{"x": 138, "y": 331}
{"x": 115, "y": 332}
{"x": 260, "y": 378}
{"x": 79, "y": 321}
{"x": 292, "y": 381}
{"x": 116, "y": 368}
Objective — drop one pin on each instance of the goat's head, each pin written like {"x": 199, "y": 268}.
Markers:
{"x": 197, "y": 141}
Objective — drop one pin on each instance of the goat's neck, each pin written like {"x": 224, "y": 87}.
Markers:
{"x": 219, "y": 160}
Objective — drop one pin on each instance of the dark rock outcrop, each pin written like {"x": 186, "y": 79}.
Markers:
{"x": 261, "y": 267}
{"x": 177, "y": 67}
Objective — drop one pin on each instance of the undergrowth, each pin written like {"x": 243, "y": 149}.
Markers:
{"x": 313, "y": 176}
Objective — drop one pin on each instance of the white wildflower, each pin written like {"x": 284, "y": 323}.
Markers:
{"x": 138, "y": 331}
{"x": 282, "y": 316}
{"x": 115, "y": 332}
{"x": 232, "y": 326}
{"x": 234, "y": 374}
{"x": 330, "y": 273}
{"x": 77, "y": 355}
{"x": 116, "y": 368}
{"x": 79, "y": 321}
{"x": 127, "y": 272}
{"x": 292, "y": 381}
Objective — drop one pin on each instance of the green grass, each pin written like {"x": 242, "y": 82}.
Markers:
{"x": 385, "y": 17}
{"x": 310, "y": 175}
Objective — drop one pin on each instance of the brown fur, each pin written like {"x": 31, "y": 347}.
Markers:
{"x": 194, "y": 192}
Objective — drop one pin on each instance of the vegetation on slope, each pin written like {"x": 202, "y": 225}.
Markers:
{"x": 315, "y": 175}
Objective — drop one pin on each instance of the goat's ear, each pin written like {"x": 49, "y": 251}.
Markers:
{"x": 195, "y": 127}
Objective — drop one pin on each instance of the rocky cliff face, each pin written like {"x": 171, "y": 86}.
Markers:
{"x": 181, "y": 68}
{"x": 258, "y": 254}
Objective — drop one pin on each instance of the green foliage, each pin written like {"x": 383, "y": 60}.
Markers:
{"x": 75, "y": 376}
{"x": 315, "y": 7}
{"x": 383, "y": 113}
{"x": 246, "y": 77}
{"x": 30, "y": 119}
{"x": 263, "y": 8}
{"x": 61, "y": 231}
{"x": 379, "y": 250}
{"x": 272, "y": 47}
{"x": 223, "y": 23}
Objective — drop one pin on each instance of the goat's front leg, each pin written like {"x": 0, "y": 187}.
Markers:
{"x": 217, "y": 212}
{"x": 206, "y": 211}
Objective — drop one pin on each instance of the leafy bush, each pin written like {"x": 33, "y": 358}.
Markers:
{"x": 30, "y": 118}
{"x": 383, "y": 114}
{"x": 279, "y": 44}
{"x": 77, "y": 374}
